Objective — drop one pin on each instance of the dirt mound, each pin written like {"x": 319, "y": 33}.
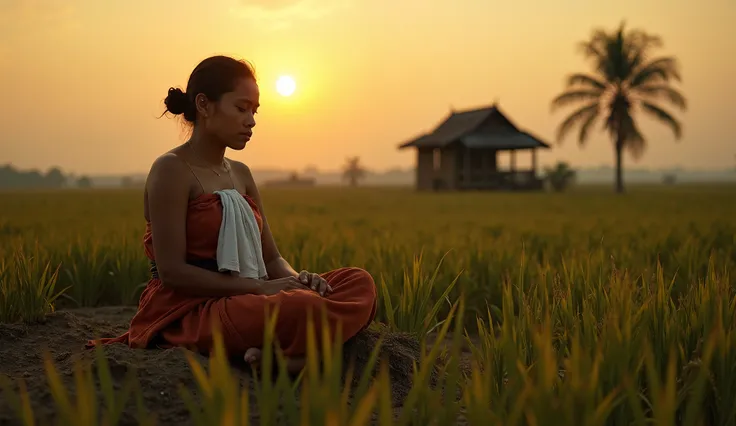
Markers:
{"x": 159, "y": 371}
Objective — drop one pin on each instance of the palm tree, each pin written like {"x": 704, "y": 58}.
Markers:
{"x": 353, "y": 171}
{"x": 625, "y": 79}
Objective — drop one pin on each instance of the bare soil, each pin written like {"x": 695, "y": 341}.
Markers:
{"x": 159, "y": 371}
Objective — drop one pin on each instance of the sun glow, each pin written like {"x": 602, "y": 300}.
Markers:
{"x": 285, "y": 85}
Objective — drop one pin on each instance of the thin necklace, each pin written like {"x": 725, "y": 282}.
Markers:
{"x": 224, "y": 163}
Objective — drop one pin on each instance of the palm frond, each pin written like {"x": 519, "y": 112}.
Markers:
{"x": 638, "y": 46}
{"x": 663, "y": 116}
{"x": 634, "y": 141}
{"x": 587, "y": 81}
{"x": 636, "y": 146}
{"x": 585, "y": 128}
{"x": 594, "y": 48}
{"x": 598, "y": 50}
{"x": 579, "y": 115}
{"x": 639, "y": 40}
{"x": 574, "y": 96}
{"x": 658, "y": 70}
{"x": 663, "y": 91}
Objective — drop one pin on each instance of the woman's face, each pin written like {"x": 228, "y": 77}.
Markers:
{"x": 232, "y": 118}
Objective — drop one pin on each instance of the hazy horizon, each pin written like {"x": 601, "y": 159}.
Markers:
{"x": 604, "y": 168}
{"x": 84, "y": 81}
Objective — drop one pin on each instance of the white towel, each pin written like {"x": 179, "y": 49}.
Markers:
{"x": 239, "y": 244}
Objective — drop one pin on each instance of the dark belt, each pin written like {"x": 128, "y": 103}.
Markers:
{"x": 209, "y": 264}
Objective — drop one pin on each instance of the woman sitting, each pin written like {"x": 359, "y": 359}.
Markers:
{"x": 201, "y": 210}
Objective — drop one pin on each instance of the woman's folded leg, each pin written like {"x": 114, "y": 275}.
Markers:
{"x": 351, "y": 306}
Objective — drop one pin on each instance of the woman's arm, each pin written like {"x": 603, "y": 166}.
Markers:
{"x": 167, "y": 190}
{"x": 276, "y": 265}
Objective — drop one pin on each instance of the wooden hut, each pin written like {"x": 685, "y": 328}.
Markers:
{"x": 461, "y": 153}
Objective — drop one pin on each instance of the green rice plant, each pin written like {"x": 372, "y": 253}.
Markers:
{"x": 416, "y": 311}
{"x": 319, "y": 389}
{"x": 129, "y": 273}
{"x": 27, "y": 288}
{"x": 223, "y": 401}
{"x": 565, "y": 389}
{"x": 450, "y": 380}
{"x": 709, "y": 316}
{"x": 423, "y": 404}
{"x": 87, "y": 270}
{"x": 325, "y": 392}
{"x": 602, "y": 353}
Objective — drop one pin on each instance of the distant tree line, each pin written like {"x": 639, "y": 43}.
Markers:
{"x": 11, "y": 177}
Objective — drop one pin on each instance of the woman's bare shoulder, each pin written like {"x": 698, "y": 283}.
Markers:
{"x": 169, "y": 166}
{"x": 168, "y": 162}
{"x": 168, "y": 172}
{"x": 243, "y": 174}
{"x": 167, "y": 182}
{"x": 242, "y": 171}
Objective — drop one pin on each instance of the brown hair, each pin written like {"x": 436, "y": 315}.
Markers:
{"x": 213, "y": 77}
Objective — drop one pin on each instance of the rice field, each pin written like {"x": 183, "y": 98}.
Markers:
{"x": 576, "y": 308}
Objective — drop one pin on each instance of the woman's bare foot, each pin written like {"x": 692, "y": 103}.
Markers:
{"x": 293, "y": 365}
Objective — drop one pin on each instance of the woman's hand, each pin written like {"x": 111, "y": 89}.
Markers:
{"x": 315, "y": 282}
{"x": 272, "y": 287}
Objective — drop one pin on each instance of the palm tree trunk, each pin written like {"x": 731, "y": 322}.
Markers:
{"x": 619, "y": 165}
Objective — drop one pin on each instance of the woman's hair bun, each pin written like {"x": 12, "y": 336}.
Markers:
{"x": 177, "y": 102}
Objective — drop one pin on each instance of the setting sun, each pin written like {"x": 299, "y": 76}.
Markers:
{"x": 285, "y": 85}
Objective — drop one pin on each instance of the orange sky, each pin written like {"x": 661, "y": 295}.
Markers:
{"x": 83, "y": 80}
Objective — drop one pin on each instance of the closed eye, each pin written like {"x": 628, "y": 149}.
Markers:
{"x": 241, "y": 109}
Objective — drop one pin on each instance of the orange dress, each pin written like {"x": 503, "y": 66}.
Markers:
{"x": 169, "y": 318}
